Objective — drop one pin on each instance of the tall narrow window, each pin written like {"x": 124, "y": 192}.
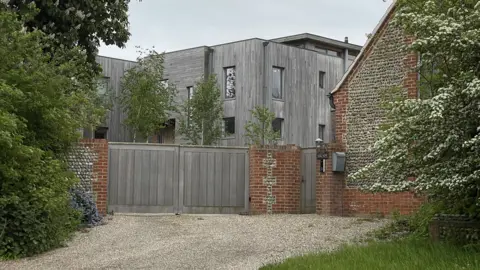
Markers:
{"x": 230, "y": 82}
{"x": 277, "y": 126}
{"x": 277, "y": 83}
{"x": 321, "y": 132}
{"x": 229, "y": 126}
{"x": 190, "y": 92}
{"x": 102, "y": 86}
{"x": 321, "y": 79}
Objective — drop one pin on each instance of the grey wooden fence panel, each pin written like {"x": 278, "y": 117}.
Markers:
{"x": 154, "y": 178}
{"x": 213, "y": 180}
{"x": 308, "y": 191}
{"x": 141, "y": 178}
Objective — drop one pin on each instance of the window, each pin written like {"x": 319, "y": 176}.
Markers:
{"x": 277, "y": 126}
{"x": 332, "y": 53}
{"x": 101, "y": 132}
{"x": 321, "y": 79}
{"x": 229, "y": 126}
{"x": 320, "y": 49}
{"x": 190, "y": 92}
{"x": 230, "y": 82}
{"x": 277, "y": 84}
{"x": 321, "y": 131}
{"x": 102, "y": 86}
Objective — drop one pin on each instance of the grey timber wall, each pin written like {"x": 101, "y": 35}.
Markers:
{"x": 154, "y": 178}
{"x": 113, "y": 69}
{"x": 247, "y": 57}
{"x": 303, "y": 107}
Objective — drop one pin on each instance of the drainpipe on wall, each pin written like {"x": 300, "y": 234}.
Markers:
{"x": 265, "y": 86}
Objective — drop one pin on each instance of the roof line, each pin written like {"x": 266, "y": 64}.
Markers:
{"x": 307, "y": 35}
{"x": 365, "y": 47}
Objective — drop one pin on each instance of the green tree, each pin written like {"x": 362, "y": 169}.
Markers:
{"x": 146, "y": 98}
{"x": 435, "y": 138}
{"x": 83, "y": 23}
{"x": 44, "y": 99}
{"x": 260, "y": 130}
{"x": 201, "y": 118}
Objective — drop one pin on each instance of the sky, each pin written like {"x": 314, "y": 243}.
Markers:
{"x": 170, "y": 25}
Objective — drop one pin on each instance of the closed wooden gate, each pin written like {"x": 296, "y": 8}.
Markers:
{"x": 308, "y": 188}
{"x": 153, "y": 178}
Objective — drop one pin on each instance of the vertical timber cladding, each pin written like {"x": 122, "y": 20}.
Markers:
{"x": 152, "y": 178}
{"x": 309, "y": 178}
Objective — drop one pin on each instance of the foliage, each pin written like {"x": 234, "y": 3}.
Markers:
{"x": 83, "y": 202}
{"x": 44, "y": 99}
{"x": 74, "y": 23}
{"x": 436, "y": 138}
{"x": 201, "y": 120}
{"x": 402, "y": 254}
{"x": 145, "y": 98}
{"x": 260, "y": 131}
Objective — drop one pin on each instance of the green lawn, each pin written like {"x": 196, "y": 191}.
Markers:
{"x": 404, "y": 255}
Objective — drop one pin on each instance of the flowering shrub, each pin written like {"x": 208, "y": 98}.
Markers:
{"x": 435, "y": 138}
{"x": 83, "y": 202}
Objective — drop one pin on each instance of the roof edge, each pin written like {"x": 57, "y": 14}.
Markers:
{"x": 365, "y": 47}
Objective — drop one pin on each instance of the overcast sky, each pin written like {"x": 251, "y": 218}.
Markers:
{"x": 171, "y": 25}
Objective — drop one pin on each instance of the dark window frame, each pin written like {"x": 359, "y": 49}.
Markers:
{"x": 281, "y": 126}
{"x": 321, "y": 132}
{"x": 321, "y": 79}
{"x": 227, "y": 134}
{"x": 225, "y": 76}
{"x": 282, "y": 82}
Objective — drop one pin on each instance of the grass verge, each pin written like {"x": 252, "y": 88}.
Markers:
{"x": 399, "y": 254}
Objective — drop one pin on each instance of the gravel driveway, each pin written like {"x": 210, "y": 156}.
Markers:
{"x": 198, "y": 242}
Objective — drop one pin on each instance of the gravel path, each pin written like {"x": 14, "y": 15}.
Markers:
{"x": 198, "y": 242}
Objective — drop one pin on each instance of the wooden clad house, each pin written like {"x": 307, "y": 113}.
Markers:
{"x": 290, "y": 75}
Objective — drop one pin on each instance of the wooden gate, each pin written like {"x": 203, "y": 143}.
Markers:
{"x": 308, "y": 188}
{"x": 154, "y": 178}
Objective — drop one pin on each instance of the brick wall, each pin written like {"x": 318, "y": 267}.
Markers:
{"x": 358, "y": 113}
{"x": 275, "y": 179}
{"x": 89, "y": 161}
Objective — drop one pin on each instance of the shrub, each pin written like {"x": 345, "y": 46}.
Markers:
{"x": 83, "y": 202}
{"x": 35, "y": 214}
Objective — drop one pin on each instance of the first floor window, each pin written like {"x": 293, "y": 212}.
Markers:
{"x": 190, "y": 92}
{"x": 321, "y": 79}
{"x": 277, "y": 126}
{"x": 277, "y": 83}
{"x": 230, "y": 82}
{"x": 228, "y": 126}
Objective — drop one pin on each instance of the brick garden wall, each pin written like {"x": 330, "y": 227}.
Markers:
{"x": 275, "y": 179}
{"x": 89, "y": 161}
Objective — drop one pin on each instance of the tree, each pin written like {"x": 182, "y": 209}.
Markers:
{"x": 435, "y": 138}
{"x": 146, "y": 98}
{"x": 44, "y": 99}
{"x": 260, "y": 131}
{"x": 82, "y": 23}
{"x": 201, "y": 119}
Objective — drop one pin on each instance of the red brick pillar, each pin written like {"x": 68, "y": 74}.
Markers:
{"x": 330, "y": 186}
{"x": 275, "y": 179}
{"x": 100, "y": 172}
